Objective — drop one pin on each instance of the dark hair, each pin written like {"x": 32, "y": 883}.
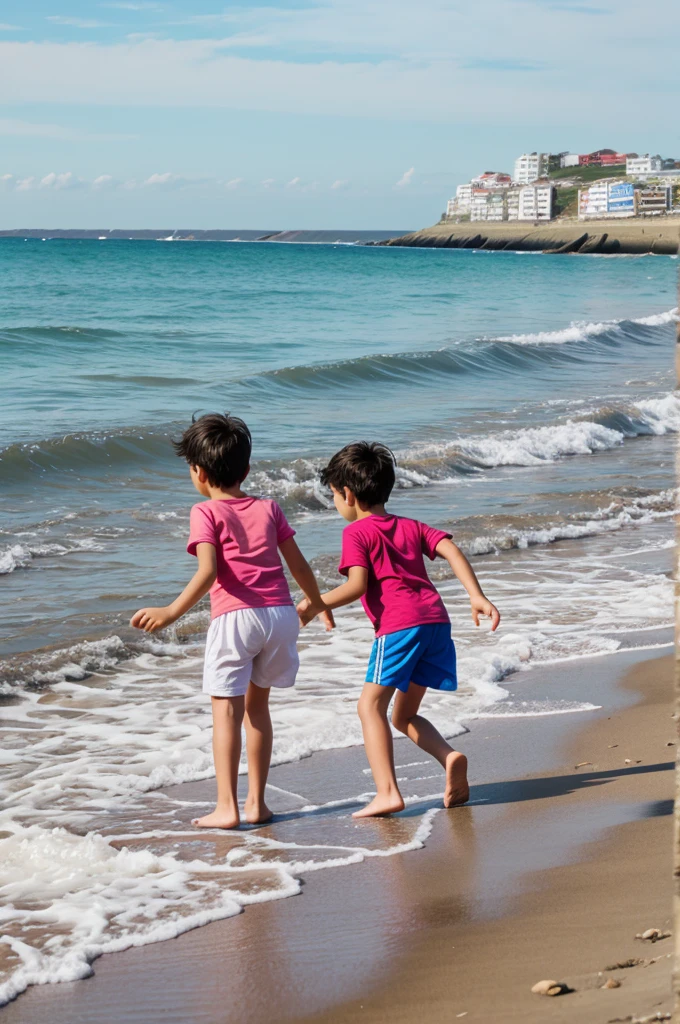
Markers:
{"x": 366, "y": 467}
{"x": 219, "y": 445}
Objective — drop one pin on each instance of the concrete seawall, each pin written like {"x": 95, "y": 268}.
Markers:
{"x": 635, "y": 236}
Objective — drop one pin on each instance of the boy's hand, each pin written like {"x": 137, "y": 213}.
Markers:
{"x": 326, "y": 616}
{"x": 152, "y": 619}
{"x": 307, "y": 611}
{"x": 480, "y": 606}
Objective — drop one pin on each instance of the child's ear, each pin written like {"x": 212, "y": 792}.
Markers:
{"x": 350, "y": 497}
{"x": 202, "y": 475}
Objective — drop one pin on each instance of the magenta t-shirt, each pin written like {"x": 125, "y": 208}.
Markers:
{"x": 246, "y": 533}
{"x": 400, "y": 594}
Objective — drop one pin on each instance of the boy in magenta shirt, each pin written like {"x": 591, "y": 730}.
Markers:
{"x": 252, "y": 640}
{"x": 382, "y": 557}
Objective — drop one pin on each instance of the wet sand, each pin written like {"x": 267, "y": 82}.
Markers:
{"x": 549, "y": 873}
{"x": 571, "y": 923}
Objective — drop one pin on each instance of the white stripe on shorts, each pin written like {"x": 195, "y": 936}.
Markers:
{"x": 379, "y": 658}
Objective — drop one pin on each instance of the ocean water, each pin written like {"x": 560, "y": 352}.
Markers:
{"x": 530, "y": 402}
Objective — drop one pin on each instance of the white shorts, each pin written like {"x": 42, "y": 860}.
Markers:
{"x": 256, "y": 645}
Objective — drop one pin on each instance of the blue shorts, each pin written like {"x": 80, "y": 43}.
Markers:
{"x": 423, "y": 654}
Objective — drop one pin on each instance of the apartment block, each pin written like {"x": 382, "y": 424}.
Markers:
{"x": 461, "y": 204}
{"x": 536, "y": 202}
{"x": 653, "y": 200}
{"x": 532, "y": 202}
{"x": 606, "y": 199}
{"x": 641, "y": 165}
{"x": 487, "y": 204}
{"x": 531, "y": 166}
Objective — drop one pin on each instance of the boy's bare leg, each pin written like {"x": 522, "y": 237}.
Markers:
{"x": 406, "y": 719}
{"x": 227, "y": 721}
{"x": 373, "y": 705}
{"x": 259, "y": 749}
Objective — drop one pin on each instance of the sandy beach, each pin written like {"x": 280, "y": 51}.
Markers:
{"x": 561, "y": 858}
{"x": 636, "y": 236}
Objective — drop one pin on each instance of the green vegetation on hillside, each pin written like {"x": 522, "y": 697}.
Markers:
{"x": 566, "y": 202}
{"x": 586, "y": 173}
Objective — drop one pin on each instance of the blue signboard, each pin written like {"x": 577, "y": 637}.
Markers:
{"x": 621, "y": 196}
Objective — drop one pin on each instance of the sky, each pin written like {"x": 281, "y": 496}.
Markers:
{"x": 312, "y": 113}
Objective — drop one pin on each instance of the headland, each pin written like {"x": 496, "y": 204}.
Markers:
{"x": 609, "y": 237}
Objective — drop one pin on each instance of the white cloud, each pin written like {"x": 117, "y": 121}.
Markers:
{"x": 268, "y": 182}
{"x": 234, "y": 183}
{"x": 60, "y": 181}
{"x": 168, "y": 180}
{"x": 58, "y": 19}
{"x": 104, "y": 181}
{"x": 24, "y": 184}
{"x": 294, "y": 182}
{"x": 9, "y": 28}
{"x": 406, "y": 178}
{"x": 414, "y": 68}
{"x": 340, "y": 184}
{"x": 6, "y": 181}
{"x": 162, "y": 179}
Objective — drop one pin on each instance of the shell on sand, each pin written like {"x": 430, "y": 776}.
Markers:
{"x": 611, "y": 983}
{"x": 653, "y": 935}
{"x": 549, "y": 988}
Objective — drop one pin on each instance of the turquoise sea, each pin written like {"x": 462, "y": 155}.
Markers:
{"x": 530, "y": 402}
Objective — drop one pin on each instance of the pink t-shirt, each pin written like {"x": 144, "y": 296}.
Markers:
{"x": 400, "y": 594}
{"x": 245, "y": 533}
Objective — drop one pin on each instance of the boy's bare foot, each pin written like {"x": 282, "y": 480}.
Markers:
{"x": 218, "y": 819}
{"x": 457, "y": 790}
{"x": 381, "y": 805}
{"x": 257, "y": 813}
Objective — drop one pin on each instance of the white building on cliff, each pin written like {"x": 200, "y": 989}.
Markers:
{"x": 531, "y": 166}
{"x": 637, "y": 166}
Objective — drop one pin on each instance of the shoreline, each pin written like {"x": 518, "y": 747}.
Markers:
{"x": 354, "y": 930}
{"x": 574, "y": 922}
{"x": 630, "y": 236}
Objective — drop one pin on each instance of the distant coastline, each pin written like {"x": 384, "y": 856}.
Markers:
{"x": 634, "y": 236}
{"x": 630, "y": 236}
{"x": 209, "y": 235}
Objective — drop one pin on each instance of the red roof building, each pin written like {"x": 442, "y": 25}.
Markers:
{"x": 602, "y": 158}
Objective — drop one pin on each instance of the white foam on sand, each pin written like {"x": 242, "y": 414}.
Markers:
{"x": 112, "y": 862}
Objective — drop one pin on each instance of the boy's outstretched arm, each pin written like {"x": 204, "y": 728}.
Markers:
{"x": 302, "y": 573}
{"x": 346, "y": 593}
{"x": 466, "y": 574}
{"x": 151, "y": 619}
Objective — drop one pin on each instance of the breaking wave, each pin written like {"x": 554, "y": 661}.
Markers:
{"x": 517, "y": 353}
{"x": 296, "y": 484}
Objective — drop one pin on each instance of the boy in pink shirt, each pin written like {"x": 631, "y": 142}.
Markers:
{"x": 382, "y": 557}
{"x": 252, "y": 640}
